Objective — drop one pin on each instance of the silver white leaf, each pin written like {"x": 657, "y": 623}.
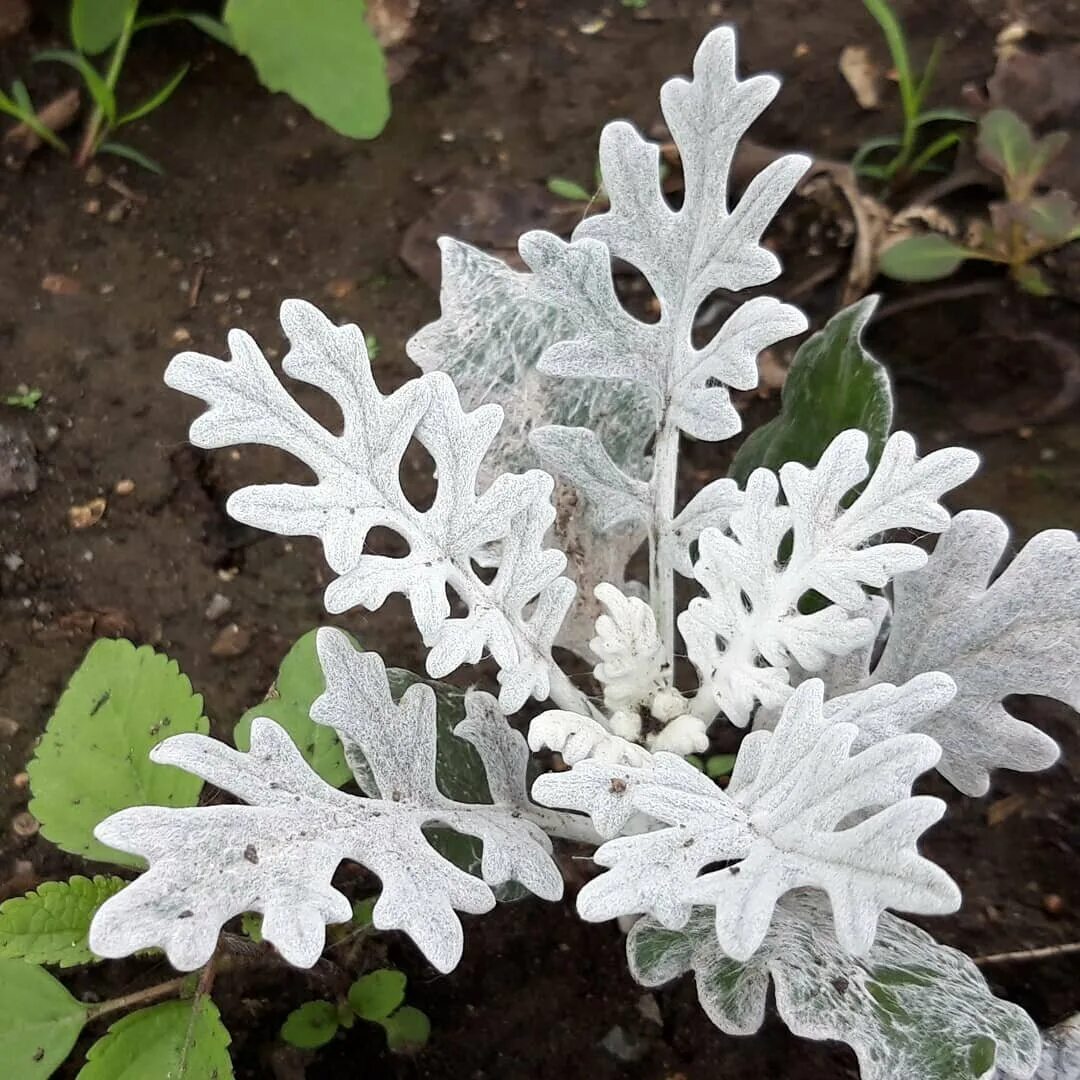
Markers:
{"x": 685, "y": 254}
{"x": 632, "y": 659}
{"x": 359, "y": 488}
{"x": 783, "y": 821}
{"x": 747, "y": 635}
{"x": 1018, "y": 634}
{"x": 578, "y": 738}
{"x": 277, "y": 855}
{"x": 911, "y": 1009}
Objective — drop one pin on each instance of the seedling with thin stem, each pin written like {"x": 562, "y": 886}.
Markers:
{"x": 911, "y": 154}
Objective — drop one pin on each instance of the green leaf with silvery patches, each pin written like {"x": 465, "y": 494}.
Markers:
{"x": 908, "y": 1008}
{"x": 310, "y": 1026}
{"x": 39, "y": 1021}
{"x": 923, "y": 258}
{"x": 50, "y": 924}
{"x": 181, "y": 1040}
{"x": 834, "y": 384}
{"x": 376, "y": 995}
{"x": 94, "y": 756}
{"x": 96, "y": 24}
{"x": 407, "y": 1030}
{"x": 326, "y": 59}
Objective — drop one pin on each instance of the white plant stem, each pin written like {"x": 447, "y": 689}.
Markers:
{"x": 661, "y": 572}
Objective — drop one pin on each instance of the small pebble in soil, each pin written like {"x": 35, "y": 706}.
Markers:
{"x": 116, "y": 213}
{"x": 94, "y": 176}
{"x": 243, "y": 293}
{"x": 92, "y": 207}
{"x": 232, "y": 640}
{"x": 13, "y": 562}
{"x": 339, "y": 288}
{"x": 60, "y": 285}
{"x": 90, "y": 513}
{"x": 8, "y": 727}
{"x": 24, "y": 825}
{"x": 1053, "y": 904}
{"x": 221, "y": 297}
{"x": 619, "y": 1044}
{"x": 18, "y": 462}
{"x": 20, "y": 780}
{"x": 219, "y": 606}
{"x": 181, "y": 336}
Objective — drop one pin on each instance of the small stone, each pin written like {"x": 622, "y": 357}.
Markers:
{"x": 18, "y": 462}
{"x": 117, "y": 212}
{"x": 181, "y": 336}
{"x": 233, "y": 640}
{"x": 60, "y": 285}
{"x": 220, "y": 297}
{"x": 1053, "y": 905}
{"x": 92, "y": 207}
{"x": 124, "y": 487}
{"x": 8, "y": 728}
{"x": 339, "y": 288}
{"x": 650, "y": 1010}
{"x": 13, "y": 562}
{"x": 1025, "y": 432}
{"x": 20, "y": 780}
{"x": 82, "y": 517}
{"x": 619, "y": 1044}
{"x": 219, "y": 606}
{"x": 106, "y": 288}
{"x": 24, "y": 825}
{"x": 243, "y": 293}
{"x": 801, "y": 50}
{"x": 94, "y": 176}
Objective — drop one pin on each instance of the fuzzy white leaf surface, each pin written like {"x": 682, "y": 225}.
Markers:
{"x": 748, "y": 633}
{"x": 632, "y": 661}
{"x": 278, "y": 854}
{"x": 358, "y": 489}
{"x": 1016, "y": 634}
{"x": 911, "y": 1009}
{"x": 579, "y": 738}
{"x": 685, "y": 254}
{"x": 782, "y": 823}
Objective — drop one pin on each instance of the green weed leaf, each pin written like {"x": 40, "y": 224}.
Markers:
{"x": 94, "y": 757}
{"x": 568, "y": 189}
{"x": 156, "y": 100}
{"x": 181, "y": 1040}
{"x": 376, "y": 995}
{"x": 1005, "y": 144}
{"x": 50, "y": 924}
{"x": 300, "y": 681}
{"x": 834, "y": 384}
{"x": 39, "y": 1021}
{"x": 98, "y": 89}
{"x": 922, "y": 258}
{"x": 324, "y": 57}
{"x": 407, "y": 1030}
{"x": 96, "y": 24}
{"x": 312, "y": 1025}
{"x": 718, "y": 765}
{"x": 1052, "y": 217}
{"x": 129, "y": 153}
{"x": 251, "y": 924}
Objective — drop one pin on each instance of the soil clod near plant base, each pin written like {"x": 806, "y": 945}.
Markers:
{"x": 260, "y": 202}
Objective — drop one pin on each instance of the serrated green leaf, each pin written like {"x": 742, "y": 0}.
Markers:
{"x": 300, "y": 681}
{"x": 96, "y": 24}
{"x": 922, "y": 258}
{"x": 1005, "y": 143}
{"x": 327, "y": 59}
{"x": 50, "y": 924}
{"x": 834, "y": 384}
{"x": 94, "y": 756}
{"x": 178, "y": 1040}
{"x": 376, "y": 995}
{"x": 310, "y": 1026}
{"x": 568, "y": 189}
{"x": 39, "y": 1021}
{"x": 407, "y": 1030}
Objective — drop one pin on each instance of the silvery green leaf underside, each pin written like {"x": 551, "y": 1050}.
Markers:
{"x": 277, "y": 855}
{"x": 911, "y": 1009}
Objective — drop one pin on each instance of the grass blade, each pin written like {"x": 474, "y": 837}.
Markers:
{"x": 99, "y": 90}
{"x": 881, "y": 142}
{"x": 886, "y": 18}
{"x": 928, "y": 153}
{"x": 24, "y": 113}
{"x": 122, "y": 150}
{"x": 210, "y": 26}
{"x": 155, "y": 100}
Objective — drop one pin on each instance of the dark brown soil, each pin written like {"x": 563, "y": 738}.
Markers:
{"x": 261, "y": 203}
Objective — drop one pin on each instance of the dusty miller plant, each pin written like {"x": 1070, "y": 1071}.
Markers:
{"x": 899, "y": 665}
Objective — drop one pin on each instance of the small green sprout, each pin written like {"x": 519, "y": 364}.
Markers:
{"x": 909, "y": 154}
{"x": 25, "y": 397}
